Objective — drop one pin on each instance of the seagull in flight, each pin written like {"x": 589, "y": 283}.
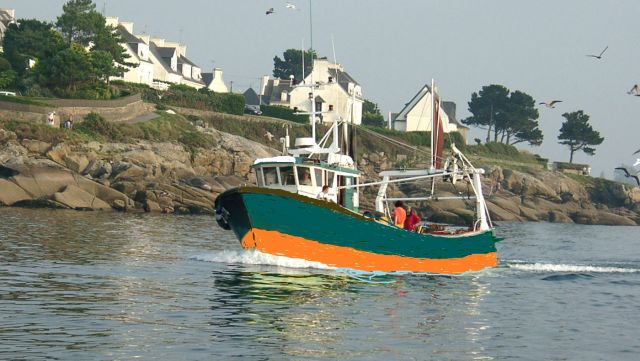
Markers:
{"x": 599, "y": 56}
{"x": 551, "y": 104}
{"x": 270, "y": 11}
{"x": 635, "y": 90}
{"x": 291, "y": 6}
{"x": 626, "y": 174}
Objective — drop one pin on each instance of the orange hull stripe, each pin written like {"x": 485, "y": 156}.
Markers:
{"x": 279, "y": 244}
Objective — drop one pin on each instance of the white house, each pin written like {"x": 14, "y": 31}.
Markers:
{"x": 7, "y": 16}
{"x": 138, "y": 51}
{"x": 417, "y": 115}
{"x": 214, "y": 81}
{"x": 155, "y": 60}
{"x": 337, "y": 91}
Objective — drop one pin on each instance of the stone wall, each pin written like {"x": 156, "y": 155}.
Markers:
{"x": 114, "y": 110}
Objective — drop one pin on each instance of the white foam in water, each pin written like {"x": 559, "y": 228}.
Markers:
{"x": 545, "y": 267}
{"x": 258, "y": 258}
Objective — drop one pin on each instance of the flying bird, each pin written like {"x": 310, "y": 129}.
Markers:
{"x": 551, "y": 104}
{"x": 270, "y": 11}
{"x": 635, "y": 90}
{"x": 291, "y": 6}
{"x": 599, "y": 56}
{"x": 626, "y": 174}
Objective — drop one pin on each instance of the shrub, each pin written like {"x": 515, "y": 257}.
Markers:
{"x": 96, "y": 127}
{"x": 283, "y": 113}
{"x": 42, "y": 132}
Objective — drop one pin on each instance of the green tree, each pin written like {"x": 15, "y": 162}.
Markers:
{"x": 488, "y": 108}
{"x": 107, "y": 39}
{"x": 80, "y": 21}
{"x": 69, "y": 68}
{"x": 520, "y": 123}
{"x": 102, "y": 65}
{"x": 577, "y": 134}
{"x": 7, "y": 75}
{"x": 292, "y": 64}
{"x": 33, "y": 39}
{"x": 371, "y": 114}
{"x": 511, "y": 116}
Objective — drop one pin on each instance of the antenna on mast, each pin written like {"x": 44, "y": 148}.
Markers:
{"x": 302, "y": 50}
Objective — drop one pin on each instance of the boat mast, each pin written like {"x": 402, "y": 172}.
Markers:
{"x": 312, "y": 94}
{"x": 433, "y": 123}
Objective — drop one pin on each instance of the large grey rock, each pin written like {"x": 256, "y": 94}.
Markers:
{"x": 11, "y": 193}
{"x": 499, "y": 214}
{"x": 559, "y": 217}
{"x": 35, "y": 146}
{"x": 76, "y": 198}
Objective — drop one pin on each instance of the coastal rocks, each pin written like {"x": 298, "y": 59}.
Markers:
{"x": 11, "y": 193}
{"x": 499, "y": 214}
{"x": 35, "y": 146}
{"x": 603, "y": 218}
{"x": 6, "y": 136}
{"x": 38, "y": 180}
{"x": 558, "y": 217}
{"x": 70, "y": 158}
{"x": 12, "y": 152}
{"x": 527, "y": 185}
{"x": 76, "y": 198}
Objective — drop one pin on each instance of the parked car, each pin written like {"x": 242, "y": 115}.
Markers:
{"x": 252, "y": 109}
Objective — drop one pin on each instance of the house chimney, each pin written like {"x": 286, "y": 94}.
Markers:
{"x": 128, "y": 25}
{"x": 111, "y": 21}
{"x": 158, "y": 42}
{"x": 263, "y": 84}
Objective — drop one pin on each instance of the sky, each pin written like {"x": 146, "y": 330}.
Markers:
{"x": 393, "y": 48}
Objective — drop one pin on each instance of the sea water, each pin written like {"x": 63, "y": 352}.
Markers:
{"x": 109, "y": 286}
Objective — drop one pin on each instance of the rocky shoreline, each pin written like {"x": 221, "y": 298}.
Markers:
{"x": 169, "y": 178}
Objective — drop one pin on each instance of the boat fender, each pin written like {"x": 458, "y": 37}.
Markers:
{"x": 220, "y": 219}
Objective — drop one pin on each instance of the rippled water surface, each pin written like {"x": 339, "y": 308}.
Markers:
{"x": 106, "y": 286}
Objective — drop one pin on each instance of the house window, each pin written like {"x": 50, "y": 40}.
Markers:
{"x": 318, "y": 106}
{"x": 330, "y": 107}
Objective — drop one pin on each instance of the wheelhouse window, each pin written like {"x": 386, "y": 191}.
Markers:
{"x": 287, "y": 177}
{"x": 259, "y": 178}
{"x": 304, "y": 176}
{"x": 318, "y": 175}
{"x": 330, "y": 177}
{"x": 270, "y": 176}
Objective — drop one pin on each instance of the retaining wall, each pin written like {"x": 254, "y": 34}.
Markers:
{"x": 113, "y": 110}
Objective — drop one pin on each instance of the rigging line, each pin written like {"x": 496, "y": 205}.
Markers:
{"x": 402, "y": 180}
{"x": 393, "y": 141}
{"x": 424, "y": 106}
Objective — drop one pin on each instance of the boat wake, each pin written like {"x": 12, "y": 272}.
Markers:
{"x": 568, "y": 268}
{"x": 258, "y": 258}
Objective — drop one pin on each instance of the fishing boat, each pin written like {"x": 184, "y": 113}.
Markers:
{"x": 288, "y": 214}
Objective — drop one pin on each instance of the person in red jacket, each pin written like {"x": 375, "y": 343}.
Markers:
{"x": 412, "y": 220}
